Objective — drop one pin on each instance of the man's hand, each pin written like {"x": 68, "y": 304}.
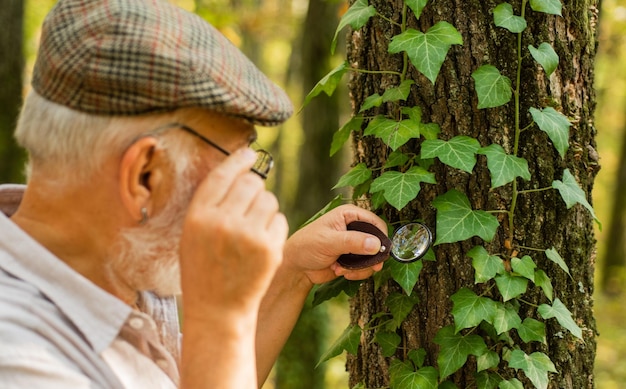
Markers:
{"x": 314, "y": 249}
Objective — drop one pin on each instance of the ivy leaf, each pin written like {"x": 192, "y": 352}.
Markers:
{"x": 555, "y": 257}
{"x": 343, "y": 134}
{"x": 485, "y": 380}
{"x": 334, "y": 288}
{"x": 506, "y": 318}
{"x": 504, "y": 168}
{"x": 388, "y": 342}
{"x": 488, "y": 360}
{"x": 469, "y": 309}
{"x": 552, "y": 7}
{"x": 427, "y": 51}
{"x": 349, "y": 341}
{"x": 417, "y": 356}
{"x": 513, "y": 383}
{"x": 524, "y": 267}
{"x": 536, "y": 366}
{"x": 402, "y": 376}
{"x": 485, "y": 266}
{"x": 545, "y": 56}
{"x": 328, "y": 84}
{"x": 555, "y": 124}
{"x": 571, "y": 192}
{"x": 493, "y": 89}
{"x": 543, "y": 281}
{"x": 372, "y": 101}
{"x": 511, "y": 286}
{"x": 400, "y": 305}
{"x": 334, "y": 203}
{"x": 356, "y": 16}
{"x": 456, "y": 221}
{"x": 532, "y": 330}
{"x": 459, "y": 152}
{"x": 392, "y": 132}
{"x": 396, "y": 158}
{"x": 417, "y": 6}
{"x": 430, "y": 130}
{"x": 455, "y": 348}
{"x": 562, "y": 315}
{"x": 400, "y": 188}
{"x": 406, "y": 274}
{"x": 398, "y": 93}
{"x": 503, "y": 17}
{"x": 356, "y": 176}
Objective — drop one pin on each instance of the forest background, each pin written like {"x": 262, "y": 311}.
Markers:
{"x": 289, "y": 40}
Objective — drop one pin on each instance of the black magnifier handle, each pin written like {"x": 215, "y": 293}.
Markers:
{"x": 355, "y": 261}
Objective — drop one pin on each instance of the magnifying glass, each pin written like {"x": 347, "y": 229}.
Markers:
{"x": 408, "y": 244}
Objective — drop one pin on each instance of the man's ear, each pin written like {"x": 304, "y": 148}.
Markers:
{"x": 141, "y": 176}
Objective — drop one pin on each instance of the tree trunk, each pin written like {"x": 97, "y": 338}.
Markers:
{"x": 541, "y": 219}
{"x": 11, "y": 67}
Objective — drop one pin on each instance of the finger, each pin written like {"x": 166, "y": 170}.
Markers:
{"x": 215, "y": 186}
{"x": 263, "y": 208}
{"x": 353, "y": 213}
{"x": 356, "y": 242}
{"x": 242, "y": 193}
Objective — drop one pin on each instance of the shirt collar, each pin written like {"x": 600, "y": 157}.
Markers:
{"x": 97, "y": 314}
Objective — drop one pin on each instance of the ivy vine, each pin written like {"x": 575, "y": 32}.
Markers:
{"x": 400, "y": 180}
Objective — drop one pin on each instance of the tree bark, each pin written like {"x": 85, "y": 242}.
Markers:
{"x": 542, "y": 219}
{"x": 11, "y": 67}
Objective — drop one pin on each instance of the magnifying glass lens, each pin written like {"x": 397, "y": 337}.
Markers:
{"x": 411, "y": 242}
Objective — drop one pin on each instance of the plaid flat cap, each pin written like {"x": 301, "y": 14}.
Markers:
{"x": 129, "y": 57}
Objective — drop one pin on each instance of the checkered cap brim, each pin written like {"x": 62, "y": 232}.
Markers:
{"x": 129, "y": 57}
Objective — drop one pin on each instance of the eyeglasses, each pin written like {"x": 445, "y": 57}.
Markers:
{"x": 261, "y": 167}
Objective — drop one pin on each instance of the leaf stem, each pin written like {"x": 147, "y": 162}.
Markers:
{"x": 388, "y": 20}
{"x": 534, "y": 190}
{"x": 376, "y": 71}
{"x": 529, "y": 248}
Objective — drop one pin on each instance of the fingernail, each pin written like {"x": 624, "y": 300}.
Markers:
{"x": 249, "y": 154}
{"x": 371, "y": 245}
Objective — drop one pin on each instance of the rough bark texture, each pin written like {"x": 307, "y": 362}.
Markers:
{"x": 11, "y": 67}
{"x": 541, "y": 219}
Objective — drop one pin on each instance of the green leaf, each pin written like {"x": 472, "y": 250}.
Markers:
{"x": 388, "y": 342}
{"x": 532, "y": 330}
{"x": 513, "y": 383}
{"x": 571, "y": 192}
{"x": 334, "y": 203}
{"x": 536, "y": 366}
{"x": 511, "y": 286}
{"x": 486, "y": 380}
{"x": 396, "y": 158}
{"x": 334, "y": 288}
{"x": 398, "y": 93}
{"x": 356, "y": 16}
{"x": 372, "y": 101}
{"x": 400, "y": 305}
{"x": 469, "y": 309}
{"x": 456, "y": 221}
{"x": 555, "y": 257}
{"x": 524, "y": 267}
{"x": 417, "y": 356}
{"x": 400, "y": 188}
{"x": 417, "y": 6}
{"x": 430, "y": 130}
{"x": 392, "y": 132}
{"x": 349, "y": 341}
{"x": 356, "y": 176}
{"x": 543, "y": 281}
{"x": 552, "y": 7}
{"x": 488, "y": 360}
{"x": 427, "y": 51}
{"x": 562, "y": 315}
{"x": 328, "y": 84}
{"x": 402, "y": 376}
{"x": 455, "y": 348}
{"x": 485, "y": 266}
{"x": 459, "y": 152}
{"x": 555, "y": 124}
{"x": 343, "y": 134}
{"x": 493, "y": 89}
{"x": 545, "y": 56}
{"x": 504, "y": 168}
{"x": 506, "y": 318}
{"x": 503, "y": 17}
{"x": 406, "y": 274}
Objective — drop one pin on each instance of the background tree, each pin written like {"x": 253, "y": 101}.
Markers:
{"x": 11, "y": 68}
{"x": 509, "y": 118}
